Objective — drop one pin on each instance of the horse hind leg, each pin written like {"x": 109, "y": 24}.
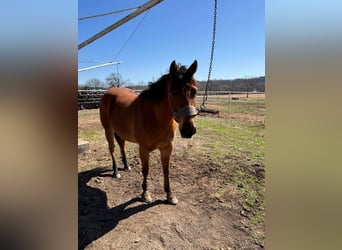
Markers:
{"x": 121, "y": 143}
{"x": 110, "y": 138}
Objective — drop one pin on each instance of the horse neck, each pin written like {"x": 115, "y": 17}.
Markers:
{"x": 163, "y": 110}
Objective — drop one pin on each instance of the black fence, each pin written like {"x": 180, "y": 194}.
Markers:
{"x": 89, "y": 99}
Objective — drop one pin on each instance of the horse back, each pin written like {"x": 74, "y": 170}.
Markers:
{"x": 117, "y": 111}
{"x": 137, "y": 119}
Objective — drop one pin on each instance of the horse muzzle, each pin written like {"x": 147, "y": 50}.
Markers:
{"x": 187, "y": 130}
{"x": 184, "y": 117}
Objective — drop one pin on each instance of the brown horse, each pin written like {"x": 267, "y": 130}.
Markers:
{"x": 150, "y": 119}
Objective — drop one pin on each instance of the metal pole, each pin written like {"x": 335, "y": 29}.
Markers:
{"x": 98, "y": 66}
{"x": 229, "y": 104}
{"x": 141, "y": 9}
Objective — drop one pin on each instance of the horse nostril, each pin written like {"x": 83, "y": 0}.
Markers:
{"x": 186, "y": 135}
{"x": 188, "y": 132}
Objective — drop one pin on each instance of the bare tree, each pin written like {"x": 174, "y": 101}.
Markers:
{"x": 93, "y": 82}
{"x": 114, "y": 80}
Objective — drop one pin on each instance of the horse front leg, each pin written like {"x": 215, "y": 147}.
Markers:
{"x": 144, "y": 157}
{"x": 165, "y": 154}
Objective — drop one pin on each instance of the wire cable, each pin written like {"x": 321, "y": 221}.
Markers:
{"x": 129, "y": 38}
{"x": 90, "y": 60}
{"x": 109, "y": 13}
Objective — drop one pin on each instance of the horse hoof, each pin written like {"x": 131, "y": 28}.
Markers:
{"x": 116, "y": 176}
{"x": 146, "y": 197}
{"x": 172, "y": 199}
{"x": 128, "y": 168}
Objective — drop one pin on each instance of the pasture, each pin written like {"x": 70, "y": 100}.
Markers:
{"x": 218, "y": 177}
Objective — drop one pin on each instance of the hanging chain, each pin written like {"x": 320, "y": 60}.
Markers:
{"x": 205, "y": 96}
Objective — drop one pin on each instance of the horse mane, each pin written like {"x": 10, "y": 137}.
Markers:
{"x": 156, "y": 91}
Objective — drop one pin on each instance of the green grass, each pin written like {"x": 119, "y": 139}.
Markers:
{"x": 89, "y": 134}
{"x": 236, "y": 145}
{"x": 253, "y": 193}
{"x": 90, "y": 128}
{"x": 223, "y": 137}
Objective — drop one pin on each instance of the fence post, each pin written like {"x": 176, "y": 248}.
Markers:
{"x": 256, "y": 108}
{"x": 229, "y": 104}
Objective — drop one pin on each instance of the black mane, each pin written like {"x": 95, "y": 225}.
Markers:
{"x": 156, "y": 91}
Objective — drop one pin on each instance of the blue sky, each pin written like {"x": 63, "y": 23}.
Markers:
{"x": 178, "y": 30}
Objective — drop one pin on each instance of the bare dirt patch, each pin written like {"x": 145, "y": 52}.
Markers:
{"x": 211, "y": 213}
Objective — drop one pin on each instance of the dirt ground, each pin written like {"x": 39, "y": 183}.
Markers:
{"x": 209, "y": 215}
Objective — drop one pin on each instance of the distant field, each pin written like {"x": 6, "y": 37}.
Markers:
{"x": 238, "y": 106}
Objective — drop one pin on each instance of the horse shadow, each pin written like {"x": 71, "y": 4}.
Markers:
{"x": 95, "y": 218}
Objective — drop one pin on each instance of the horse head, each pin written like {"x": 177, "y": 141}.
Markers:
{"x": 182, "y": 92}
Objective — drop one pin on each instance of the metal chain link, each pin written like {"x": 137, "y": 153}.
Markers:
{"x": 205, "y": 96}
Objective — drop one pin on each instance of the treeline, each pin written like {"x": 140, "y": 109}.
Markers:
{"x": 241, "y": 84}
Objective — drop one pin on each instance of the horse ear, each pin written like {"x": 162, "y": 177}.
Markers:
{"x": 173, "y": 67}
{"x": 192, "y": 69}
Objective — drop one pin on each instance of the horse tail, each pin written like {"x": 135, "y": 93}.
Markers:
{"x": 105, "y": 106}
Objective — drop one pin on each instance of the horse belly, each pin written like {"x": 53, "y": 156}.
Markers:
{"x": 124, "y": 131}
{"x": 123, "y": 117}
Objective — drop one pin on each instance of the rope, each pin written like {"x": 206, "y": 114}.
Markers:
{"x": 132, "y": 34}
{"x": 106, "y": 14}
{"x": 205, "y": 96}
{"x": 90, "y": 60}
{"x": 124, "y": 45}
